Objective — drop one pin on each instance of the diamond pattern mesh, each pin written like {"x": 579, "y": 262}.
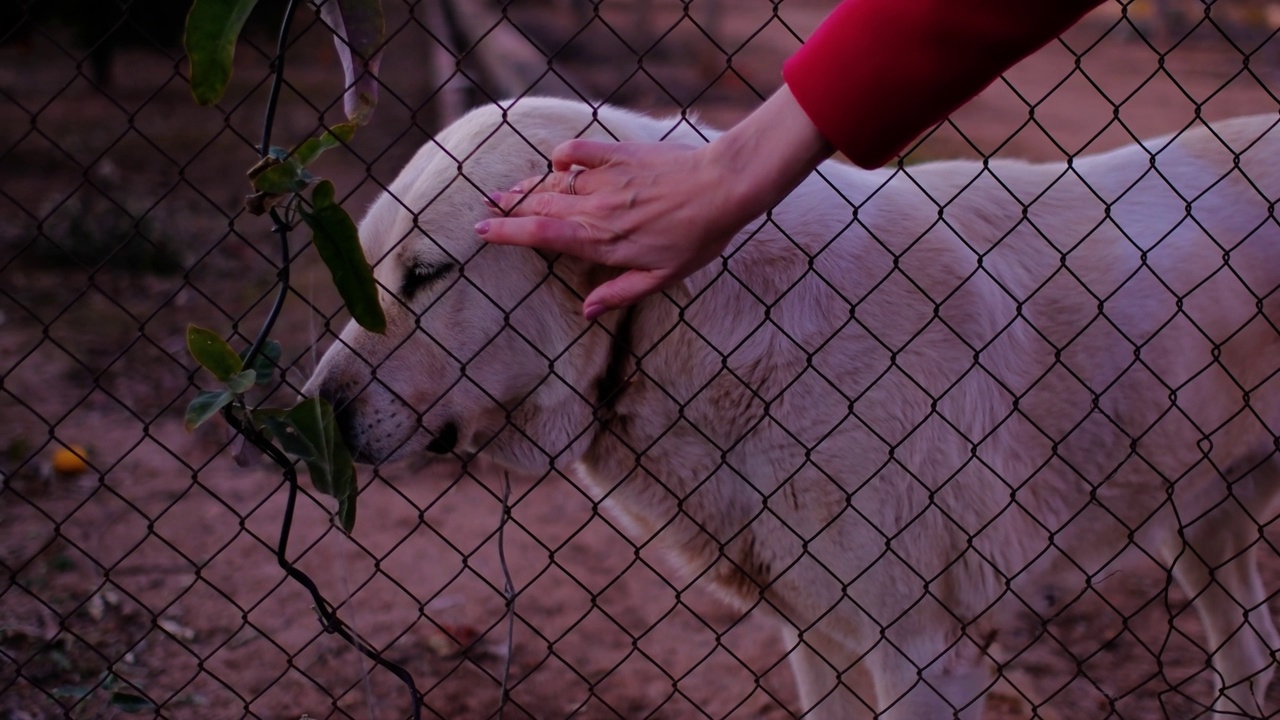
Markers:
{"x": 148, "y": 580}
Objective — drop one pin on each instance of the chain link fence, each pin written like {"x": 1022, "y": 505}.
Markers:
{"x": 139, "y": 560}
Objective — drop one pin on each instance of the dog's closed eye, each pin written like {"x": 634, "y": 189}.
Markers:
{"x": 420, "y": 276}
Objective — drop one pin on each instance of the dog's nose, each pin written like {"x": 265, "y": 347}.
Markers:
{"x": 445, "y": 440}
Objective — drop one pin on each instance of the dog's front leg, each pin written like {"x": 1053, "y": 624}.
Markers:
{"x": 938, "y": 684}
{"x": 830, "y": 688}
{"x": 1218, "y": 569}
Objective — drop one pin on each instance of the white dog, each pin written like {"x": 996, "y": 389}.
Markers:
{"x": 900, "y": 406}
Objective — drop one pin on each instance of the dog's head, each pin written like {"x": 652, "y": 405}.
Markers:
{"x": 485, "y": 347}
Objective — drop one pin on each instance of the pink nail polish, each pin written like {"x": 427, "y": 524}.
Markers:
{"x": 591, "y": 312}
{"x": 482, "y": 227}
{"x": 495, "y": 199}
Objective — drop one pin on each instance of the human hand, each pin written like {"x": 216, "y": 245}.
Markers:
{"x": 659, "y": 211}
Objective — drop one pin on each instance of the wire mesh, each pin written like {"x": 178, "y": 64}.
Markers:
{"x": 139, "y": 569}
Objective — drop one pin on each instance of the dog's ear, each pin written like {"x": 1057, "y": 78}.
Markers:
{"x": 580, "y": 276}
{"x": 583, "y": 277}
{"x": 597, "y": 275}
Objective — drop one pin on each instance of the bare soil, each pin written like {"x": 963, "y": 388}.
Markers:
{"x": 153, "y": 574}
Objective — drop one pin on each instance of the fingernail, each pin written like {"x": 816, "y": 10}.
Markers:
{"x": 495, "y": 199}
{"x": 515, "y": 188}
{"x": 591, "y": 312}
{"x": 482, "y": 227}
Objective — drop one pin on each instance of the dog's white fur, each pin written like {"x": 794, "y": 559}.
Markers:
{"x": 905, "y": 403}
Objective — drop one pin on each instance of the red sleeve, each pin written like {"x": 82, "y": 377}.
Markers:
{"x": 877, "y": 73}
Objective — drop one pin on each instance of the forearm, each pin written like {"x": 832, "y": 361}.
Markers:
{"x": 877, "y": 73}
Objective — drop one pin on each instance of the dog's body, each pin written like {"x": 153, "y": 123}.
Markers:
{"x": 894, "y": 423}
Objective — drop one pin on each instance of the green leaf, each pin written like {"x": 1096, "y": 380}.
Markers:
{"x": 335, "y": 237}
{"x": 295, "y": 444}
{"x": 283, "y": 178}
{"x": 213, "y": 353}
{"x": 323, "y": 195}
{"x": 309, "y": 432}
{"x": 261, "y": 415}
{"x": 281, "y": 173}
{"x": 359, "y": 31}
{"x": 130, "y": 703}
{"x": 266, "y": 362}
{"x": 242, "y": 381}
{"x": 205, "y": 406}
{"x": 347, "y": 512}
{"x": 310, "y": 149}
{"x": 213, "y": 26}
{"x": 275, "y": 155}
{"x": 332, "y": 470}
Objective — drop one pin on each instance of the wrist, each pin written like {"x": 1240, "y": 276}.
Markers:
{"x": 766, "y": 155}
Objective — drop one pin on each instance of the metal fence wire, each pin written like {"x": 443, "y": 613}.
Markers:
{"x": 139, "y": 560}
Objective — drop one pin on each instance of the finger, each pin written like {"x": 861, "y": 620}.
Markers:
{"x": 543, "y": 233}
{"x": 586, "y": 153}
{"x": 552, "y": 204}
{"x": 566, "y": 183}
{"x": 531, "y": 184}
{"x": 622, "y": 291}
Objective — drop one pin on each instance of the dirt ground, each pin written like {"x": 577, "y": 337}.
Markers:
{"x": 149, "y": 582}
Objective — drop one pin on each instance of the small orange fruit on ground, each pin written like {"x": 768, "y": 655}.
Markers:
{"x": 70, "y": 460}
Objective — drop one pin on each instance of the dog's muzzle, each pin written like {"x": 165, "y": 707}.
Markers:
{"x": 345, "y": 418}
